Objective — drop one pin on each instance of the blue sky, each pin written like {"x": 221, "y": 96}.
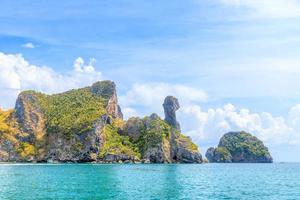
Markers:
{"x": 209, "y": 53}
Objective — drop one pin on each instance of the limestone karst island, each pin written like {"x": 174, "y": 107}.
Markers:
{"x": 87, "y": 125}
{"x": 149, "y": 100}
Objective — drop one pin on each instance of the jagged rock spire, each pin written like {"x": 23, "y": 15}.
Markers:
{"x": 107, "y": 90}
{"x": 171, "y": 105}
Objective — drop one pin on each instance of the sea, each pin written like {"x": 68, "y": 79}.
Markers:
{"x": 278, "y": 181}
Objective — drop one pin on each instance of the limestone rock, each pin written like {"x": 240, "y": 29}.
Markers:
{"x": 32, "y": 122}
{"x": 85, "y": 125}
{"x": 107, "y": 90}
{"x": 79, "y": 146}
{"x": 239, "y": 147}
{"x": 184, "y": 150}
{"x": 171, "y": 105}
{"x": 210, "y": 154}
{"x": 30, "y": 117}
{"x": 83, "y": 147}
{"x": 7, "y": 151}
{"x": 8, "y": 136}
{"x": 119, "y": 158}
{"x": 133, "y": 128}
{"x": 159, "y": 140}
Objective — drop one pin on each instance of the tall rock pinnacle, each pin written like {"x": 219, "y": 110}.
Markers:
{"x": 107, "y": 90}
{"x": 171, "y": 105}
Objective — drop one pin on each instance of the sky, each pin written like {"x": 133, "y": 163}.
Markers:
{"x": 233, "y": 64}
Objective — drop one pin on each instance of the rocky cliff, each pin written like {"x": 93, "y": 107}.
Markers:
{"x": 160, "y": 142}
{"x": 8, "y": 136}
{"x": 171, "y": 105}
{"x": 239, "y": 147}
{"x": 86, "y": 125}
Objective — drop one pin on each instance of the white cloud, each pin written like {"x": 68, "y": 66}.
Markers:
{"x": 29, "y": 45}
{"x": 80, "y": 67}
{"x": 151, "y": 96}
{"x": 267, "y": 8}
{"x": 18, "y": 74}
{"x": 206, "y": 127}
{"x": 280, "y": 134}
{"x": 129, "y": 112}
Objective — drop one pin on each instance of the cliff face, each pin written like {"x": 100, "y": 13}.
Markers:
{"x": 86, "y": 125}
{"x": 239, "y": 147}
{"x": 107, "y": 90}
{"x": 64, "y": 127}
{"x": 171, "y": 105}
{"x": 160, "y": 141}
{"x": 8, "y": 136}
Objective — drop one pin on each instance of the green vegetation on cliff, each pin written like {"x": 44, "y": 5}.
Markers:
{"x": 7, "y": 129}
{"x": 187, "y": 140}
{"x": 26, "y": 150}
{"x": 105, "y": 89}
{"x": 239, "y": 147}
{"x": 85, "y": 125}
{"x": 153, "y": 133}
{"x": 159, "y": 141}
{"x": 71, "y": 112}
{"x": 116, "y": 144}
{"x": 9, "y": 132}
{"x": 243, "y": 142}
{"x": 222, "y": 154}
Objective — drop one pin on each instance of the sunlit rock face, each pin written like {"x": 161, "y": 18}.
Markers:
{"x": 107, "y": 90}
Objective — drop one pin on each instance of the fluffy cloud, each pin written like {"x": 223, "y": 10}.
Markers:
{"x": 206, "y": 127}
{"x": 80, "y": 67}
{"x": 268, "y": 8}
{"x": 149, "y": 97}
{"x": 17, "y": 74}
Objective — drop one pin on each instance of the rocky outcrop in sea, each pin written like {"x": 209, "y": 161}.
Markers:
{"x": 239, "y": 147}
{"x": 86, "y": 125}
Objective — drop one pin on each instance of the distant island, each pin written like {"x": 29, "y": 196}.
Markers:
{"x": 239, "y": 147}
{"x": 86, "y": 125}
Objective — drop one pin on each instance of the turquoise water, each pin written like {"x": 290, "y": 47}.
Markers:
{"x": 92, "y": 181}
